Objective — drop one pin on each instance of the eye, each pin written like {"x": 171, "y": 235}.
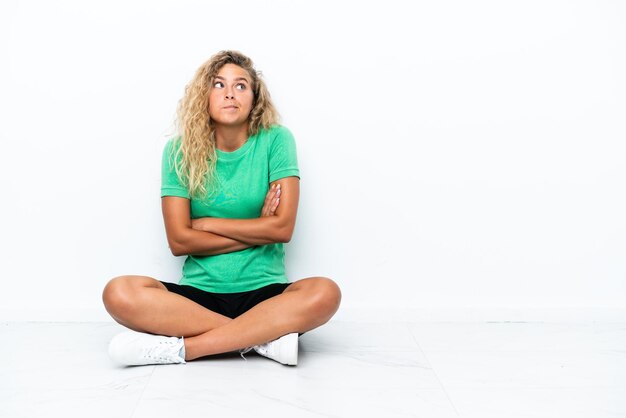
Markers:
{"x": 218, "y": 84}
{"x": 240, "y": 86}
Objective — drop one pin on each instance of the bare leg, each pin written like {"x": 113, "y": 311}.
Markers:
{"x": 303, "y": 306}
{"x": 144, "y": 304}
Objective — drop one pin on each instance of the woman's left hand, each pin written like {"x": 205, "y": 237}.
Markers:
{"x": 198, "y": 223}
{"x": 272, "y": 200}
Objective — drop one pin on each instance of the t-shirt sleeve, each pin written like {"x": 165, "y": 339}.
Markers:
{"x": 170, "y": 184}
{"x": 283, "y": 157}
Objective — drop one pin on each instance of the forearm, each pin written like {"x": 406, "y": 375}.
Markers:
{"x": 194, "y": 242}
{"x": 257, "y": 231}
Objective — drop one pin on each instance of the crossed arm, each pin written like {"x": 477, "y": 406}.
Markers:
{"x": 211, "y": 236}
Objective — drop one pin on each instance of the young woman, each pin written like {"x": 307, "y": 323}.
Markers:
{"x": 230, "y": 189}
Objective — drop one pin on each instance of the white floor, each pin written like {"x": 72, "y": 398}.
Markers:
{"x": 346, "y": 369}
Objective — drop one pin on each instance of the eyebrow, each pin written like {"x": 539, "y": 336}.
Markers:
{"x": 236, "y": 79}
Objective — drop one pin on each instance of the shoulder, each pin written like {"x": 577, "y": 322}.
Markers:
{"x": 170, "y": 152}
{"x": 274, "y": 133}
{"x": 173, "y": 143}
{"x": 171, "y": 147}
{"x": 274, "y": 138}
{"x": 279, "y": 130}
{"x": 278, "y": 135}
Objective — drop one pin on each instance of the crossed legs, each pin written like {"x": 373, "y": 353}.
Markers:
{"x": 144, "y": 304}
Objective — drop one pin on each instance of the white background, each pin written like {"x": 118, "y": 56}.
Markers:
{"x": 454, "y": 155}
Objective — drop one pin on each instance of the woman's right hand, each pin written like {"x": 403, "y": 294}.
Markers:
{"x": 272, "y": 200}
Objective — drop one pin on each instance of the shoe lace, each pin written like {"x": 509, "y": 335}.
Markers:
{"x": 162, "y": 350}
{"x": 262, "y": 349}
{"x": 245, "y": 351}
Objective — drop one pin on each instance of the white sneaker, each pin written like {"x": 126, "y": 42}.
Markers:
{"x": 133, "y": 348}
{"x": 284, "y": 350}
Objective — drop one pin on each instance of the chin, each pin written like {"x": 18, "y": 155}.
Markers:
{"x": 232, "y": 123}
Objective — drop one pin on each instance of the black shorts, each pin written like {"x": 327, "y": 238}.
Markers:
{"x": 228, "y": 304}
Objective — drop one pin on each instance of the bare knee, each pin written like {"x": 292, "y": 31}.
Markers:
{"x": 120, "y": 293}
{"x": 325, "y": 297}
{"x": 116, "y": 295}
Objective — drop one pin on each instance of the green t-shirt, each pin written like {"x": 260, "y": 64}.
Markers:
{"x": 244, "y": 176}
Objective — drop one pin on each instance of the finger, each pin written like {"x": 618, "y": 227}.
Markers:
{"x": 275, "y": 205}
{"x": 268, "y": 201}
{"x": 269, "y": 195}
{"x": 275, "y": 201}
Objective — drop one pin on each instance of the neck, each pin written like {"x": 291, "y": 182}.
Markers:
{"x": 230, "y": 138}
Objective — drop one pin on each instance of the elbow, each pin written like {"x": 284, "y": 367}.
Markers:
{"x": 176, "y": 252}
{"x": 176, "y": 248}
{"x": 285, "y": 235}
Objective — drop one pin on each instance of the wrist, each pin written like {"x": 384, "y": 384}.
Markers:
{"x": 202, "y": 224}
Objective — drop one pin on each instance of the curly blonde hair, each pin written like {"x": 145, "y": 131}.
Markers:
{"x": 196, "y": 157}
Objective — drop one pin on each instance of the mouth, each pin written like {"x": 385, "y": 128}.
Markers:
{"x": 230, "y": 107}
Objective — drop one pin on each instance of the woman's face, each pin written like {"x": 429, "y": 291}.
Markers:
{"x": 231, "y": 96}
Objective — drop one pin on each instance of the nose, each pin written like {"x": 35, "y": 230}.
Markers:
{"x": 229, "y": 92}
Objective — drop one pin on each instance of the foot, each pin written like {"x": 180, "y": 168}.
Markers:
{"x": 283, "y": 350}
{"x": 137, "y": 348}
